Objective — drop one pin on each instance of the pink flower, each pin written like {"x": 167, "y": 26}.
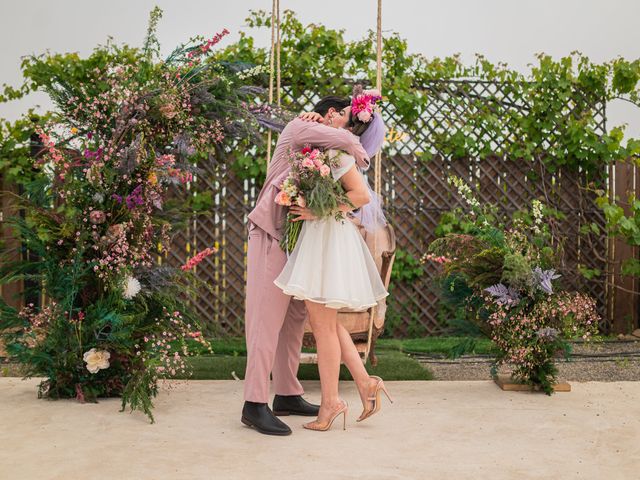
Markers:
{"x": 325, "y": 170}
{"x": 318, "y": 163}
{"x": 307, "y": 163}
{"x": 195, "y": 261}
{"x": 283, "y": 199}
{"x": 364, "y": 116}
{"x": 314, "y": 153}
{"x": 362, "y": 105}
{"x": 97, "y": 216}
{"x": 359, "y": 104}
{"x": 301, "y": 201}
{"x": 168, "y": 110}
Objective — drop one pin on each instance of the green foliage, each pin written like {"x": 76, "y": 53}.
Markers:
{"x": 406, "y": 267}
{"x": 16, "y": 160}
{"x": 557, "y": 127}
{"x": 516, "y": 271}
{"x": 620, "y": 223}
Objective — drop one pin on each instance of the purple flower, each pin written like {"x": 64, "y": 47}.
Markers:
{"x": 504, "y": 295}
{"x": 135, "y": 199}
{"x": 91, "y": 154}
{"x": 543, "y": 279}
{"x": 117, "y": 197}
{"x": 547, "y": 334}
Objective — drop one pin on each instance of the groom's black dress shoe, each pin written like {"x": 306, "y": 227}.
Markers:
{"x": 260, "y": 417}
{"x": 294, "y": 405}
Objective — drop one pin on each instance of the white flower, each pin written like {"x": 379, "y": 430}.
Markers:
{"x": 131, "y": 287}
{"x": 536, "y": 211}
{"x": 464, "y": 191}
{"x": 251, "y": 72}
{"x": 98, "y": 197}
{"x": 96, "y": 360}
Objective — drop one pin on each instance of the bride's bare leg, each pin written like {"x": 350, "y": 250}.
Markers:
{"x": 324, "y": 325}
{"x": 351, "y": 358}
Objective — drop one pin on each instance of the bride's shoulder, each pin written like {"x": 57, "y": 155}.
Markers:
{"x": 340, "y": 162}
{"x": 338, "y": 155}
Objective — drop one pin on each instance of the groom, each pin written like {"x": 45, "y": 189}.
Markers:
{"x": 274, "y": 322}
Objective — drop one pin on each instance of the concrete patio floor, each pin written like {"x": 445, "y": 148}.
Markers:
{"x": 434, "y": 430}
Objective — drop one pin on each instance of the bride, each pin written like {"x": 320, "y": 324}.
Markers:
{"x": 331, "y": 268}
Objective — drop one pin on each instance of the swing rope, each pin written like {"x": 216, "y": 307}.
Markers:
{"x": 275, "y": 47}
{"x": 377, "y": 173}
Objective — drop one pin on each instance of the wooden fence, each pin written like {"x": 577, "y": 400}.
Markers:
{"x": 416, "y": 194}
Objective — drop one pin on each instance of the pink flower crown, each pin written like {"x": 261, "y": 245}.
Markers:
{"x": 363, "y": 104}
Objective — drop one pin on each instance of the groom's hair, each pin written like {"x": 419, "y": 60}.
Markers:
{"x": 325, "y": 103}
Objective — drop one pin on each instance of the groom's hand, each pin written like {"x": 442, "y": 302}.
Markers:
{"x": 311, "y": 117}
{"x": 301, "y": 213}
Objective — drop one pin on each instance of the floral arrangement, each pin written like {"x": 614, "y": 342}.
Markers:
{"x": 505, "y": 280}
{"x": 114, "y": 319}
{"x": 363, "y": 104}
{"x": 309, "y": 184}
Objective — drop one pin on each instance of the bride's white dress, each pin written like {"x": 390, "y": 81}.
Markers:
{"x": 331, "y": 263}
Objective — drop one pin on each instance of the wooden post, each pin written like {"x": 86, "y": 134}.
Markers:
{"x": 10, "y": 292}
{"x": 625, "y": 303}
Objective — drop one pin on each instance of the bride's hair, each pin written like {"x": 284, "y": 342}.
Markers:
{"x": 325, "y": 103}
{"x": 357, "y": 127}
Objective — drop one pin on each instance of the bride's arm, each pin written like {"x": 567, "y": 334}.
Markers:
{"x": 355, "y": 188}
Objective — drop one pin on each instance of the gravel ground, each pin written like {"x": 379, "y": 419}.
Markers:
{"x": 599, "y": 362}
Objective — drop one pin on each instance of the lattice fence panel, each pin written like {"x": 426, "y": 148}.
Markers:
{"x": 415, "y": 193}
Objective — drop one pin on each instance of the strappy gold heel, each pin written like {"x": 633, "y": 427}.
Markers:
{"x": 375, "y": 399}
{"x": 323, "y": 427}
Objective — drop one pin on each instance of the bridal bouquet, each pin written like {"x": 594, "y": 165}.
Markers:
{"x": 309, "y": 184}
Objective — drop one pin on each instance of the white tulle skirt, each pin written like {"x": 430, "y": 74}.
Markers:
{"x": 331, "y": 264}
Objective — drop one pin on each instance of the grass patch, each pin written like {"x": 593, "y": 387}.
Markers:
{"x": 391, "y": 366}
{"x": 427, "y": 345}
{"x": 441, "y": 345}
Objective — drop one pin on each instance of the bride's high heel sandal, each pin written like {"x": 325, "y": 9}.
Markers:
{"x": 323, "y": 427}
{"x": 375, "y": 400}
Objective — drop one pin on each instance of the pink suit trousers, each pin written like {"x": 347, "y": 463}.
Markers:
{"x": 274, "y": 323}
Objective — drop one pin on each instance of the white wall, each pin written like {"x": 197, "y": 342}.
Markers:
{"x": 503, "y": 30}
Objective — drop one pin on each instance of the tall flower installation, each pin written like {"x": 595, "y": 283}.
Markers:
{"x": 505, "y": 280}
{"x": 127, "y": 129}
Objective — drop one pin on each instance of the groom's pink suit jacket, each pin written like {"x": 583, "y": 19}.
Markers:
{"x": 274, "y": 322}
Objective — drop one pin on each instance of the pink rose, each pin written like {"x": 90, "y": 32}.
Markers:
{"x": 325, "y": 170}
{"x": 301, "y": 201}
{"x": 307, "y": 163}
{"x": 314, "y": 153}
{"x": 364, "y": 116}
{"x": 283, "y": 199}
{"x": 97, "y": 216}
